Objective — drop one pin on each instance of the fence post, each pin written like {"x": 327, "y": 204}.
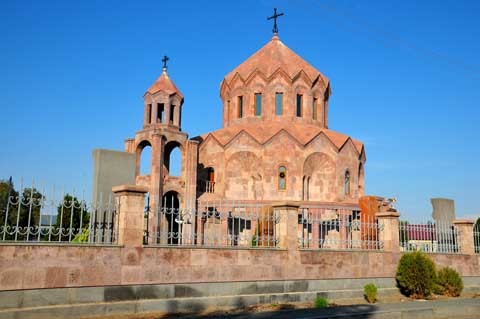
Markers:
{"x": 288, "y": 224}
{"x": 390, "y": 234}
{"x": 130, "y": 201}
{"x": 465, "y": 229}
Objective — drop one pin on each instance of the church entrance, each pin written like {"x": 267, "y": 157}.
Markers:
{"x": 171, "y": 211}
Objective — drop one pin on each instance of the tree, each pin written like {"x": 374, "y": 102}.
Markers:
{"x": 476, "y": 236}
{"x": 72, "y": 218}
{"x": 20, "y": 210}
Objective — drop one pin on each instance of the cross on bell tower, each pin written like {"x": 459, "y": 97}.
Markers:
{"x": 274, "y": 17}
{"x": 164, "y": 60}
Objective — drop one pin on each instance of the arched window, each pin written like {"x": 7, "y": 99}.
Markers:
{"x": 347, "y": 183}
{"x": 314, "y": 108}
{"x": 299, "y": 105}
{"x": 278, "y": 103}
{"x": 240, "y": 107}
{"x": 258, "y": 104}
{"x": 282, "y": 178}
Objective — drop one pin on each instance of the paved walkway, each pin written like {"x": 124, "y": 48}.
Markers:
{"x": 452, "y": 308}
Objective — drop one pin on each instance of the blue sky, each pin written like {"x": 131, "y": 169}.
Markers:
{"x": 405, "y": 79}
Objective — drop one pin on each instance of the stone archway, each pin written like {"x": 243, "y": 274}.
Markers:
{"x": 171, "y": 214}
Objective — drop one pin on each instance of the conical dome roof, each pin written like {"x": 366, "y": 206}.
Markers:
{"x": 165, "y": 84}
{"x": 273, "y": 56}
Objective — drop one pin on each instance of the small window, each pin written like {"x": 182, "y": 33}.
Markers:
{"x": 347, "y": 183}
{"x": 258, "y": 104}
{"x": 299, "y": 105}
{"x": 240, "y": 106}
{"x": 314, "y": 108}
{"x": 282, "y": 178}
{"x": 278, "y": 103}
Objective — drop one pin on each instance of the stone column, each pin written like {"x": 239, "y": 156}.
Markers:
{"x": 167, "y": 109}
{"x": 390, "y": 235}
{"x": 145, "y": 115}
{"x": 154, "y": 113}
{"x": 176, "y": 115}
{"x": 465, "y": 229}
{"x": 287, "y": 228}
{"x": 131, "y": 201}
{"x": 156, "y": 185}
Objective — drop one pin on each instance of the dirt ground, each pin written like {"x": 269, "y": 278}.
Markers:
{"x": 278, "y": 307}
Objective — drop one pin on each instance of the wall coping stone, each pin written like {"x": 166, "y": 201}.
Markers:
{"x": 130, "y": 189}
{"x": 286, "y": 204}
{"x": 59, "y": 244}
{"x": 387, "y": 214}
{"x": 467, "y": 222}
{"x": 215, "y": 248}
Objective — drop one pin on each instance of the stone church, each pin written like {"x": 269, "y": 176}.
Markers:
{"x": 275, "y": 143}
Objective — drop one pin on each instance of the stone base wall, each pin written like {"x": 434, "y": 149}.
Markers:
{"x": 57, "y": 266}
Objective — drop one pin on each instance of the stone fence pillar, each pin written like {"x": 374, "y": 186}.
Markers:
{"x": 465, "y": 229}
{"x": 390, "y": 235}
{"x": 131, "y": 206}
{"x": 287, "y": 228}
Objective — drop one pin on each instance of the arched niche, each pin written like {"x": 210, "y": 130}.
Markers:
{"x": 322, "y": 171}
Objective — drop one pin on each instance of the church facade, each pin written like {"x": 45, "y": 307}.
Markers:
{"x": 275, "y": 143}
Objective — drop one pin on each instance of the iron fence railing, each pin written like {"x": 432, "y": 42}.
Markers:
{"x": 476, "y": 236}
{"x": 35, "y": 215}
{"x": 215, "y": 224}
{"x": 337, "y": 228}
{"x": 429, "y": 237}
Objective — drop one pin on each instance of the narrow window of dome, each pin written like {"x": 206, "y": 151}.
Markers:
{"x": 314, "y": 108}
{"x": 282, "y": 178}
{"x": 240, "y": 107}
{"x": 278, "y": 103}
{"x": 258, "y": 104}
{"x": 347, "y": 183}
{"x": 299, "y": 105}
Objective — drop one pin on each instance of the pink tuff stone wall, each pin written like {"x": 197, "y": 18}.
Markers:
{"x": 28, "y": 267}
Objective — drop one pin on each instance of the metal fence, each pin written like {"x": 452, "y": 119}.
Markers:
{"x": 337, "y": 228}
{"x": 214, "y": 224}
{"x": 36, "y": 215}
{"x": 429, "y": 237}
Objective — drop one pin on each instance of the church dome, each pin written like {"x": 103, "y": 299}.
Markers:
{"x": 273, "y": 56}
{"x": 275, "y": 83}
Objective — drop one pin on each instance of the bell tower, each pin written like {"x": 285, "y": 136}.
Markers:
{"x": 175, "y": 189}
{"x": 163, "y": 103}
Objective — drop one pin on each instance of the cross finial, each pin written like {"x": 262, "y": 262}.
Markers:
{"x": 274, "y": 17}
{"x": 164, "y": 60}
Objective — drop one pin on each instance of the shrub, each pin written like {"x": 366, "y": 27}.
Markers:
{"x": 370, "y": 293}
{"x": 321, "y": 302}
{"x": 416, "y": 275}
{"x": 449, "y": 282}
